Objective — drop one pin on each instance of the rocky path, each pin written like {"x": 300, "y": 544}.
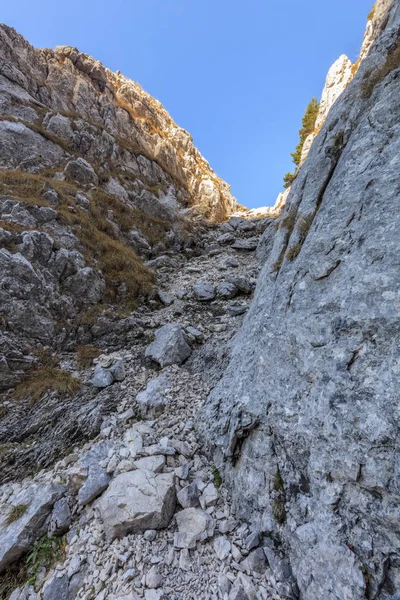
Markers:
{"x": 142, "y": 512}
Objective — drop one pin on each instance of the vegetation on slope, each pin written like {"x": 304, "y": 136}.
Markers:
{"x": 307, "y": 127}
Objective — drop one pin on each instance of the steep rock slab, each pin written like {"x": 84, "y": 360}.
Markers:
{"x": 23, "y": 521}
{"x": 305, "y": 422}
{"x": 137, "y": 501}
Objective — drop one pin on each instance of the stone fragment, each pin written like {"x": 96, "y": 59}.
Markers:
{"x": 184, "y": 560}
{"x": 97, "y": 478}
{"x": 210, "y": 495}
{"x": 194, "y": 525}
{"x": 137, "y": 501}
{"x": 150, "y": 535}
{"x": 222, "y": 547}
{"x": 154, "y": 579}
{"x": 226, "y": 290}
{"x": 165, "y": 298}
{"x": 224, "y": 584}
{"x": 108, "y": 370}
{"x": 237, "y": 309}
{"x": 252, "y": 541}
{"x": 170, "y": 345}
{"x": 156, "y": 397}
{"x": 182, "y": 472}
{"x": 205, "y": 292}
{"x": 189, "y": 496}
{"x": 195, "y": 333}
{"x": 60, "y": 519}
{"x": 249, "y": 244}
{"x": 225, "y": 238}
{"x": 227, "y": 525}
{"x": 256, "y": 561}
{"x": 150, "y": 463}
{"x": 56, "y": 588}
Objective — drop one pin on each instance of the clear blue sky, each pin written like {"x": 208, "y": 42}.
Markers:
{"x": 237, "y": 75}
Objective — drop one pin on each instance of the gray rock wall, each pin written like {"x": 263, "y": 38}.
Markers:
{"x": 305, "y": 423}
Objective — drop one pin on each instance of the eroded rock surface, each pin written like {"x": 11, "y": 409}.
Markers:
{"x": 304, "y": 424}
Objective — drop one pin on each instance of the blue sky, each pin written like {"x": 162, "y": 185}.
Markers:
{"x": 237, "y": 75}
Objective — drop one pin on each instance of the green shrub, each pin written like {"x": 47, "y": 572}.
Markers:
{"x": 217, "y": 477}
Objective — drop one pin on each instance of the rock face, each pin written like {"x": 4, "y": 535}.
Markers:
{"x": 24, "y": 520}
{"x": 304, "y": 424}
{"x": 338, "y": 78}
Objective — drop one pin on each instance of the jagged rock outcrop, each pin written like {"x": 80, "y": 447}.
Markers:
{"x": 67, "y": 96}
{"x": 304, "y": 425}
{"x": 95, "y": 179}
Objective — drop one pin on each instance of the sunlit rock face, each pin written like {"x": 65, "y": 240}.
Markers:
{"x": 107, "y": 118}
{"x": 338, "y": 78}
{"x": 304, "y": 424}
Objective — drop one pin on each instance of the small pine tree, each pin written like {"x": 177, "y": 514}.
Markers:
{"x": 307, "y": 127}
{"x": 288, "y": 179}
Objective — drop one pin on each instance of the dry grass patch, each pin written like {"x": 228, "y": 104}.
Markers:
{"x": 371, "y": 13}
{"x": 119, "y": 263}
{"x": 293, "y": 252}
{"x": 46, "y": 379}
{"x": 372, "y": 78}
{"x": 85, "y": 355}
{"x": 16, "y": 513}
{"x": 289, "y": 219}
{"x": 29, "y": 187}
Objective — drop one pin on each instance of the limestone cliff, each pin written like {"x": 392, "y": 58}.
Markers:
{"x": 305, "y": 423}
{"x": 105, "y": 117}
{"x": 96, "y": 181}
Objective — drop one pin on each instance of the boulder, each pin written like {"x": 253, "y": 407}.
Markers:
{"x": 137, "y": 501}
{"x": 86, "y": 286}
{"x": 92, "y": 479}
{"x": 170, "y": 345}
{"x": 108, "y": 370}
{"x": 80, "y": 170}
{"x": 56, "y": 588}
{"x": 60, "y": 519}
